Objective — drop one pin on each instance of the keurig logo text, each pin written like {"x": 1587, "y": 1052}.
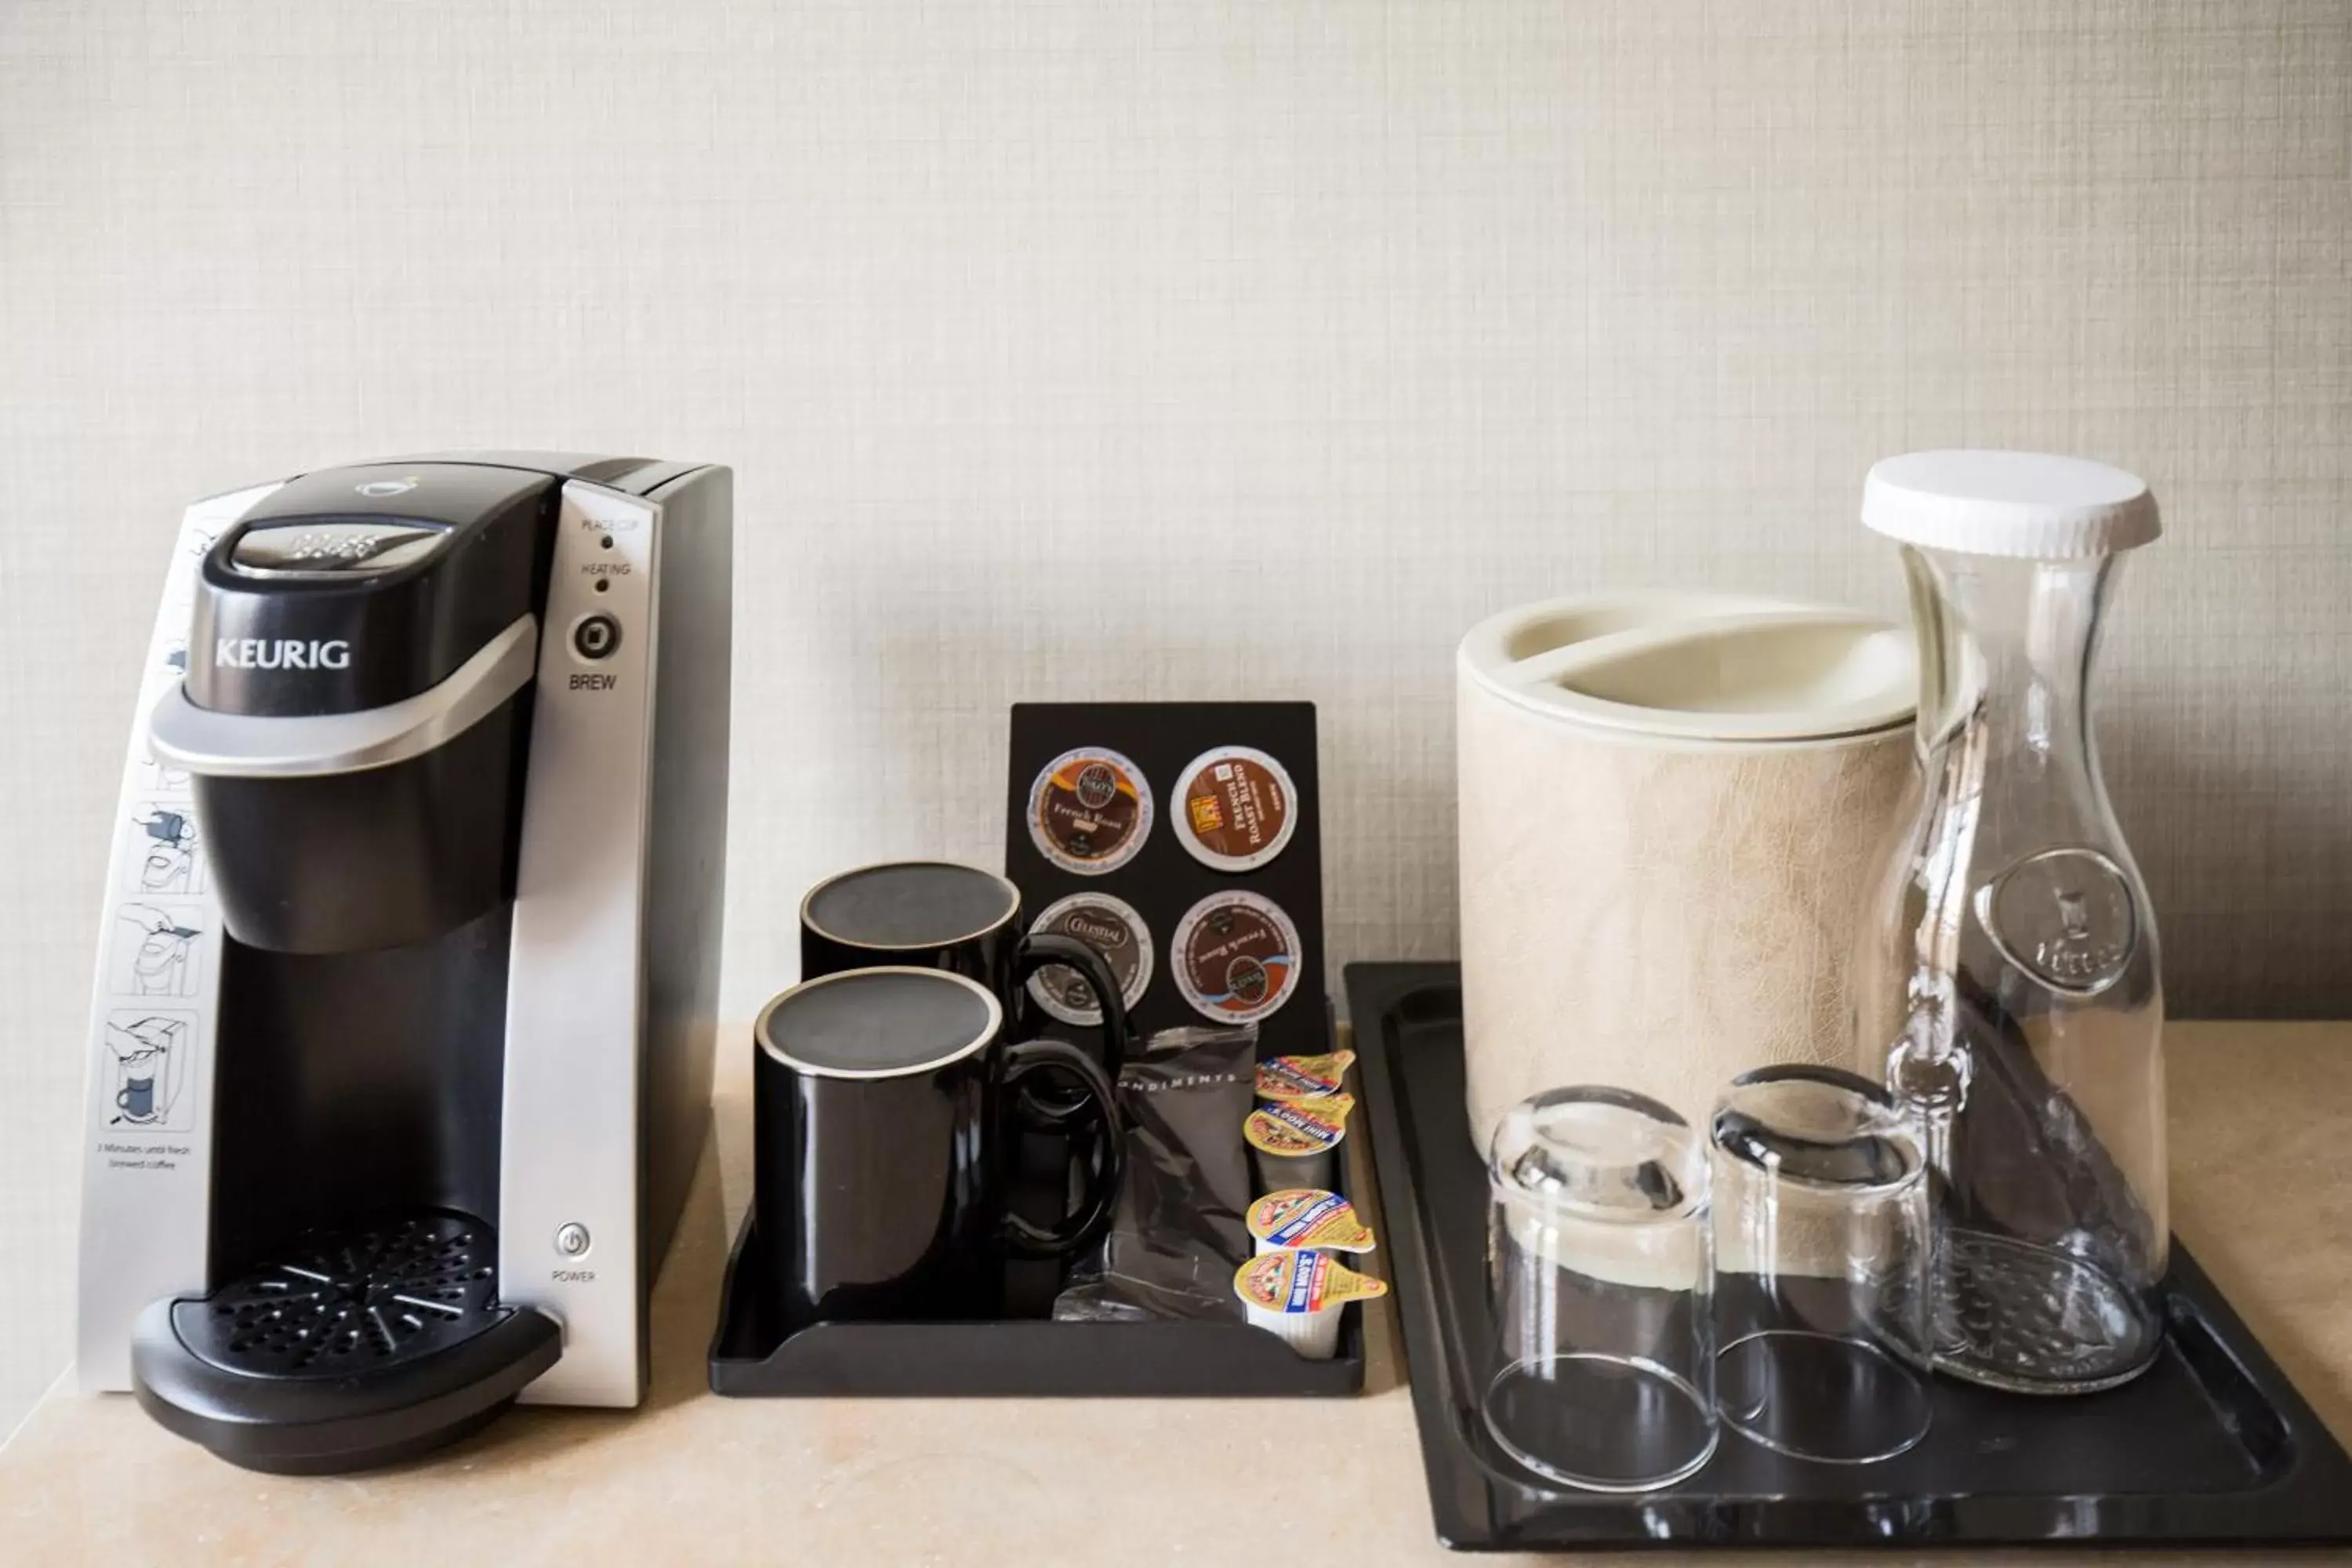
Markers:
{"x": 281, "y": 653}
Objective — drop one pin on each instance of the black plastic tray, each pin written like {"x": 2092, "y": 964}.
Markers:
{"x": 751, "y": 1356}
{"x": 1013, "y": 1356}
{"x": 2212, "y": 1446}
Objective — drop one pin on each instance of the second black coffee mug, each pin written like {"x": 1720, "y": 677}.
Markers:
{"x": 936, "y": 914}
{"x": 880, "y": 1100}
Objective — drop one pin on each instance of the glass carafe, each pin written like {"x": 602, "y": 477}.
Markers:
{"x": 2008, "y": 985}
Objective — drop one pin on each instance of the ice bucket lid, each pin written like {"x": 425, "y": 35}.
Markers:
{"x": 1700, "y": 668}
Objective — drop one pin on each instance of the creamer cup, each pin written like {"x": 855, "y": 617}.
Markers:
{"x": 1307, "y": 1219}
{"x": 1300, "y": 1296}
{"x": 1304, "y": 1078}
{"x": 1296, "y": 1142}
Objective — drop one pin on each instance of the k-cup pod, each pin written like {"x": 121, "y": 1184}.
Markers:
{"x": 1235, "y": 957}
{"x": 1300, "y": 1296}
{"x": 1234, "y": 808}
{"x": 1113, "y": 928}
{"x": 1307, "y": 1219}
{"x": 1296, "y": 1142}
{"x": 1304, "y": 1078}
{"x": 1089, "y": 811}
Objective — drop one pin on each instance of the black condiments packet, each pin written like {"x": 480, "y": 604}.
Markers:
{"x": 1179, "y": 1234}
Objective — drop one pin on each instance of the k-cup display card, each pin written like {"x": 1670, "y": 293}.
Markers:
{"x": 1182, "y": 841}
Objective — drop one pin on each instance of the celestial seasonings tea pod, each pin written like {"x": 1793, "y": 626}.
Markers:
{"x": 1295, "y": 1143}
{"x": 1089, "y": 811}
{"x": 1233, "y": 809}
{"x": 1304, "y": 1078}
{"x": 1113, "y": 928}
{"x": 1235, "y": 957}
{"x": 1308, "y": 1218}
{"x": 1300, "y": 1294}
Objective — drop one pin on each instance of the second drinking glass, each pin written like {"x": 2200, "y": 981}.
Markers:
{"x": 1821, "y": 1241}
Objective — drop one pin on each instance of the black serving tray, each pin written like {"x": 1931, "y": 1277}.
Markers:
{"x": 2210, "y": 1446}
{"x": 752, "y": 1355}
{"x": 1010, "y": 1356}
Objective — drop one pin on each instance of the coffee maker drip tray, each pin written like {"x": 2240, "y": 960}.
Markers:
{"x": 347, "y": 1305}
{"x": 350, "y": 1351}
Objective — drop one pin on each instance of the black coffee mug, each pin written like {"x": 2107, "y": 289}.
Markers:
{"x": 880, "y": 1100}
{"x": 936, "y": 914}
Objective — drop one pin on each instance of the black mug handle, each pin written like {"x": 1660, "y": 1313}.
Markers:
{"x": 1026, "y": 1238}
{"x": 1043, "y": 948}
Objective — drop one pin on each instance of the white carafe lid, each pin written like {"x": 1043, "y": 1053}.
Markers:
{"x": 1699, "y": 668}
{"x": 2024, "y": 505}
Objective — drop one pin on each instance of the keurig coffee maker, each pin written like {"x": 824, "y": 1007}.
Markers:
{"x": 402, "y": 1046}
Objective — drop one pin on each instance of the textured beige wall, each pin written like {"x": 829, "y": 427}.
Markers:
{"x": 1184, "y": 349}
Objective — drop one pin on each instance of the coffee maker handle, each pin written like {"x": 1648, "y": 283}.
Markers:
{"x": 1104, "y": 1175}
{"x": 1043, "y": 948}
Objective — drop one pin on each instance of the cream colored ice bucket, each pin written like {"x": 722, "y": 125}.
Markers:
{"x": 1670, "y": 803}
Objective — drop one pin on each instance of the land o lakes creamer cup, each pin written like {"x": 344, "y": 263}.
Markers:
{"x": 1296, "y": 1142}
{"x": 1301, "y": 1297}
{"x": 1304, "y": 1078}
{"x": 1307, "y": 1219}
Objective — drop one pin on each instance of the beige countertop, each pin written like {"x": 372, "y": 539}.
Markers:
{"x": 2262, "y": 1192}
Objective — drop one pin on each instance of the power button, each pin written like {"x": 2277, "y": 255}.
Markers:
{"x": 572, "y": 1239}
{"x": 596, "y": 636}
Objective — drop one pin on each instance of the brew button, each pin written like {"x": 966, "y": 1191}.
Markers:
{"x": 596, "y": 636}
{"x": 571, "y": 1240}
